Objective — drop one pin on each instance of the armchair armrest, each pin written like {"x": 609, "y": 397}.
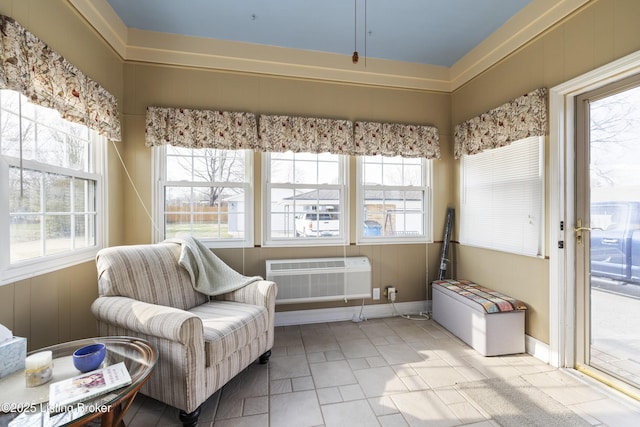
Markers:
{"x": 261, "y": 292}
{"x": 149, "y": 319}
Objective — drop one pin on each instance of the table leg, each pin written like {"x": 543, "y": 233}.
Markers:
{"x": 115, "y": 417}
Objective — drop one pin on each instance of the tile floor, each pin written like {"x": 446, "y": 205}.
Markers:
{"x": 381, "y": 372}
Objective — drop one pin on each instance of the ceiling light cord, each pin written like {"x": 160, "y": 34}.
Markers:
{"x": 354, "y": 57}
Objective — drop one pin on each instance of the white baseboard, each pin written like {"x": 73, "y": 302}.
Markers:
{"x": 301, "y": 317}
{"x": 537, "y": 349}
{"x": 534, "y": 347}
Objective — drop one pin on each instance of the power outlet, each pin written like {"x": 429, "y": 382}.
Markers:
{"x": 376, "y": 293}
{"x": 391, "y": 293}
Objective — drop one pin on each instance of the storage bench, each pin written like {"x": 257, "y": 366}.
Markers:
{"x": 490, "y": 322}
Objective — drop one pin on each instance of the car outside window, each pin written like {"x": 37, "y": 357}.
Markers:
{"x": 393, "y": 199}
{"x": 304, "y": 199}
{"x": 317, "y": 225}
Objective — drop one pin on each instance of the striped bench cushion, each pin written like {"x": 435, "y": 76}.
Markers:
{"x": 492, "y": 301}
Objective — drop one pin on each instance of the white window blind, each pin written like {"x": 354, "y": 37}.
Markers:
{"x": 502, "y": 204}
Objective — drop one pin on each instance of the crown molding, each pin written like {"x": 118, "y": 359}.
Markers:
{"x": 515, "y": 33}
{"x": 170, "y": 49}
{"x": 106, "y": 22}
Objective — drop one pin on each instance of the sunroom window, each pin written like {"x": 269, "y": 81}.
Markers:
{"x": 393, "y": 199}
{"x": 51, "y": 188}
{"x": 205, "y": 193}
{"x": 304, "y": 198}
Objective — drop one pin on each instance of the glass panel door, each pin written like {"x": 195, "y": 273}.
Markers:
{"x": 608, "y": 230}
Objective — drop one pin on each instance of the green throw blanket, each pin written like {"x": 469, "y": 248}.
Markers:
{"x": 209, "y": 274}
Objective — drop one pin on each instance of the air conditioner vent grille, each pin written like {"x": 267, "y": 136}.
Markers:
{"x": 307, "y": 265}
{"x": 320, "y": 279}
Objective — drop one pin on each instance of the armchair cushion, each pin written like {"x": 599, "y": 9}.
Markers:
{"x": 148, "y": 273}
{"x": 229, "y": 326}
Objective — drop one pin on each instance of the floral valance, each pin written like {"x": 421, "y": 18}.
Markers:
{"x": 273, "y": 133}
{"x": 32, "y": 68}
{"x": 192, "y": 128}
{"x": 305, "y": 134}
{"x": 520, "y": 118}
{"x": 393, "y": 139}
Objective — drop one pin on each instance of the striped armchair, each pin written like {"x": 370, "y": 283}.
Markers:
{"x": 202, "y": 344}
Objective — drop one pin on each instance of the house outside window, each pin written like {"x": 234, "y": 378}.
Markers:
{"x": 51, "y": 188}
{"x": 393, "y": 199}
{"x": 305, "y": 199}
{"x": 206, "y": 193}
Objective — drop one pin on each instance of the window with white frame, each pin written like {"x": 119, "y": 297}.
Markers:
{"x": 393, "y": 199}
{"x": 305, "y": 198}
{"x": 205, "y": 193}
{"x": 502, "y": 198}
{"x": 50, "y": 188}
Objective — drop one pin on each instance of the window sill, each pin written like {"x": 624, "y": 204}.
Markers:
{"x": 41, "y": 266}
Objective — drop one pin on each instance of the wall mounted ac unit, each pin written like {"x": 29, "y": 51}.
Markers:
{"x": 320, "y": 279}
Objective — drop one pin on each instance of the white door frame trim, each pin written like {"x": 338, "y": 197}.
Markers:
{"x": 562, "y": 273}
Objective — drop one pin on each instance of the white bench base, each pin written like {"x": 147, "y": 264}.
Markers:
{"x": 489, "y": 334}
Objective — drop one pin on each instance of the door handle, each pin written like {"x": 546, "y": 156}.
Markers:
{"x": 578, "y": 229}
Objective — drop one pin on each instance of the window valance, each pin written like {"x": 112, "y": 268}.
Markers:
{"x": 32, "y": 68}
{"x": 520, "y": 118}
{"x": 275, "y": 133}
{"x": 394, "y": 139}
{"x": 305, "y": 134}
{"x": 192, "y": 128}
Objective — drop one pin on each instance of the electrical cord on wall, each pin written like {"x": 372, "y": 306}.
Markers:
{"x": 135, "y": 189}
{"x": 360, "y": 317}
{"x": 421, "y": 316}
{"x": 357, "y": 318}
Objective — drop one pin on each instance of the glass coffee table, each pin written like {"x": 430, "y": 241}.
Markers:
{"x": 23, "y": 406}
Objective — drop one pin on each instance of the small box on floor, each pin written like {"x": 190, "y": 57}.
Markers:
{"x": 12, "y": 355}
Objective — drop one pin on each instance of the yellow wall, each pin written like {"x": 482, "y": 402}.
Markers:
{"x": 54, "y": 307}
{"x": 403, "y": 266}
{"x": 597, "y": 34}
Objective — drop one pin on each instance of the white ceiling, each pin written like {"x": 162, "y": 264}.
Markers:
{"x": 421, "y": 44}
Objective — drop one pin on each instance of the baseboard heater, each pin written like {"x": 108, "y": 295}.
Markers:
{"x": 320, "y": 279}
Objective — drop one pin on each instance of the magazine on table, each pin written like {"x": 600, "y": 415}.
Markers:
{"x": 86, "y": 386}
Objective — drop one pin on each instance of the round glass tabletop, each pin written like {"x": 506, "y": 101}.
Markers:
{"x": 22, "y": 405}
